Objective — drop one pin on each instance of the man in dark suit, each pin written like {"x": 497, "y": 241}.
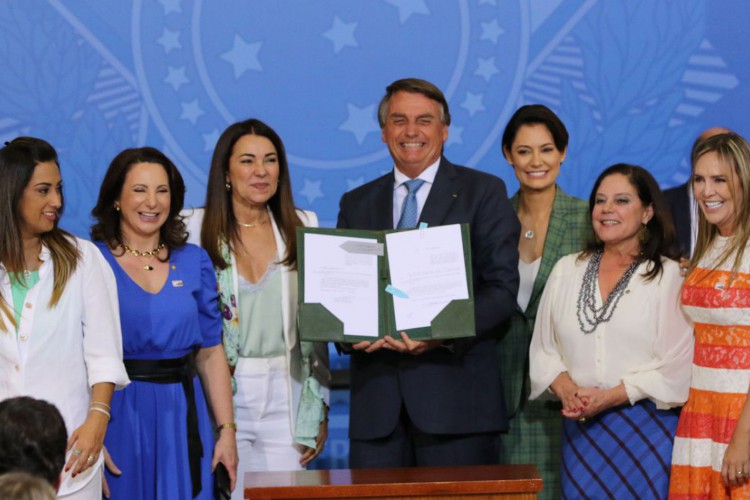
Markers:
{"x": 416, "y": 403}
{"x": 680, "y": 201}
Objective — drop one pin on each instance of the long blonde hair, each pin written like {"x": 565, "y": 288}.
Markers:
{"x": 733, "y": 152}
{"x": 18, "y": 159}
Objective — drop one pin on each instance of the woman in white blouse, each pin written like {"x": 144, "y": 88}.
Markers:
{"x": 59, "y": 323}
{"x": 611, "y": 343}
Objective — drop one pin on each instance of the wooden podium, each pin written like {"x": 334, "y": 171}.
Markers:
{"x": 413, "y": 483}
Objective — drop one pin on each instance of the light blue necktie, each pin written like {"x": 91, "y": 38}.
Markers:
{"x": 408, "y": 218}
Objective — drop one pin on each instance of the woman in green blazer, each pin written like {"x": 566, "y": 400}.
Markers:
{"x": 553, "y": 224}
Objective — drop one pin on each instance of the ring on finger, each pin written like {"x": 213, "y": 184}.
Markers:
{"x": 90, "y": 459}
{"x": 75, "y": 452}
{"x": 739, "y": 473}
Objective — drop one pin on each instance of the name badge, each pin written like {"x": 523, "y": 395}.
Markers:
{"x": 177, "y": 283}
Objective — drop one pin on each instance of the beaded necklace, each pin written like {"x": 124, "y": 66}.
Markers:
{"x": 589, "y": 316}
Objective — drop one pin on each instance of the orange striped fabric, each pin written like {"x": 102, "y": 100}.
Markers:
{"x": 696, "y": 483}
{"x": 721, "y": 378}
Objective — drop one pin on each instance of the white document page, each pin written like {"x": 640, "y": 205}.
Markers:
{"x": 345, "y": 283}
{"x": 428, "y": 266}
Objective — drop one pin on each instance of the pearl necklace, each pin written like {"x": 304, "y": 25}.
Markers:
{"x": 586, "y": 309}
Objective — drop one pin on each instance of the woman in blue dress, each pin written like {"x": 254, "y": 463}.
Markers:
{"x": 161, "y": 433}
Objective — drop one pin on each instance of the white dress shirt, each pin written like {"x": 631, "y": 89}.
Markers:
{"x": 647, "y": 344}
{"x": 400, "y": 190}
{"x": 58, "y": 353}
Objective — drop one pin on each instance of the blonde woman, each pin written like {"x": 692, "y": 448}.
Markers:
{"x": 712, "y": 449}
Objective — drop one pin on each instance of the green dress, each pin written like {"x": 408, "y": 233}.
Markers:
{"x": 535, "y": 426}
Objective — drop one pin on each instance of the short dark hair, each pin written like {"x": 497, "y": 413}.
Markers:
{"x": 413, "y": 86}
{"x": 33, "y": 438}
{"x": 660, "y": 229}
{"x": 532, "y": 114}
{"x": 107, "y": 226}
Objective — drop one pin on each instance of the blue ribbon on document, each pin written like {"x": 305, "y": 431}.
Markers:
{"x": 396, "y": 292}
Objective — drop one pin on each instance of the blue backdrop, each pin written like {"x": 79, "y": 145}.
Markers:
{"x": 634, "y": 80}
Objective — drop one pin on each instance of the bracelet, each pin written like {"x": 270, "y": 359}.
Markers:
{"x": 228, "y": 425}
{"x": 100, "y": 410}
{"x": 101, "y": 403}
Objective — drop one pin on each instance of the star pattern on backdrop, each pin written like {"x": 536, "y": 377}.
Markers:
{"x": 360, "y": 122}
{"x": 341, "y": 34}
{"x": 407, "y": 8}
{"x": 170, "y": 40}
{"x": 491, "y": 31}
{"x": 191, "y": 111}
{"x": 171, "y": 6}
{"x": 243, "y": 56}
{"x": 486, "y": 68}
{"x": 311, "y": 190}
{"x": 176, "y": 77}
{"x": 473, "y": 103}
{"x": 455, "y": 135}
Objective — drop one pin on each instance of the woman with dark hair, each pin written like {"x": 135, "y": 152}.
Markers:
{"x": 611, "y": 343}
{"x": 249, "y": 229}
{"x": 162, "y": 437}
{"x": 712, "y": 449}
{"x": 59, "y": 324}
{"x": 555, "y": 224}
{"x": 33, "y": 438}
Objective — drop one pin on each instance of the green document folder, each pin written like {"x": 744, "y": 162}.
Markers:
{"x": 317, "y": 323}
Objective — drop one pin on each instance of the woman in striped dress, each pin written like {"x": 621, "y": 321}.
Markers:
{"x": 712, "y": 450}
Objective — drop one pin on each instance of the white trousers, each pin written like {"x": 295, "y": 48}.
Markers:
{"x": 264, "y": 433}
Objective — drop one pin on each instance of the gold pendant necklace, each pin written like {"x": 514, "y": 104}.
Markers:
{"x": 139, "y": 253}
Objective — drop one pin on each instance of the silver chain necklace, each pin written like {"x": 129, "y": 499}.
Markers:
{"x": 589, "y": 316}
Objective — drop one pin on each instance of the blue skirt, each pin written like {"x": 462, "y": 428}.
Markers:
{"x": 147, "y": 439}
{"x": 624, "y": 452}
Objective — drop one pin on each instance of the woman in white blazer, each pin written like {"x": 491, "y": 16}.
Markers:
{"x": 249, "y": 229}
{"x": 60, "y": 337}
